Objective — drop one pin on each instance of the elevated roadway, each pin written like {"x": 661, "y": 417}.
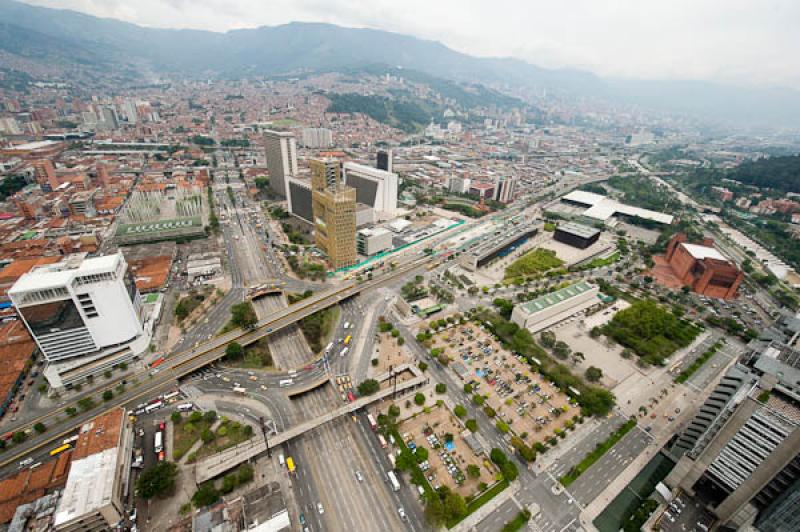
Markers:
{"x": 183, "y": 363}
{"x": 216, "y": 465}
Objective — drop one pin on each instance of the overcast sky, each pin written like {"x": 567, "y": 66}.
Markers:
{"x": 746, "y": 42}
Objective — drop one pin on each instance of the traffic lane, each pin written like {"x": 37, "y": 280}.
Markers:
{"x": 596, "y": 479}
{"x": 578, "y": 450}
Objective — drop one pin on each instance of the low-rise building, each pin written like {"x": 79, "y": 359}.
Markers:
{"x": 372, "y": 241}
{"x": 576, "y": 235}
{"x": 549, "y": 309}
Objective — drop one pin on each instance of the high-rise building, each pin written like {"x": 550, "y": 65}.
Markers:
{"x": 45, "y": 174}
{"x": 80, "y": 307}
{"x": 317, "y": 137}
{"x": 374, "y": 187}
{"x": 281, "y": 148}
{"x": 458, "y": 184}
{"x": 504, "y": 189}
{"x": 334, "y": 208}
{"x": 384, "y": 161}
{"x": 298, "y": 198}
{"x": 741, "y": 451}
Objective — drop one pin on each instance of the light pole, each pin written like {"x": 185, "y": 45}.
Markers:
{"x": 266, "y": 437}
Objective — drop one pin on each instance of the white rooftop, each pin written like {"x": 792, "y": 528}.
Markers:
{"x": 89, "y": 486}
{"x": 62, "y": 273}
{"x": 398, "y": 225}
{"x": 33, "y": 145}
{"x": 703, "y": 252}
{"x": 603, "y": 208}
{"x": 374, "y": 231}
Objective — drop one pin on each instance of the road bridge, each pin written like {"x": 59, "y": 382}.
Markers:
{"x": 216, "y": 465}
{"x": 183, "y": 363}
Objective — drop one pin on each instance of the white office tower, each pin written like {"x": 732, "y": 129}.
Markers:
{"x": 376, "y": 188}
{"x": 504, "y": 189}
{"x": 458, "y": 184}
{"x": 281, "y": 148}
{"x": 317, "y": 137}
{"x": 81, "y": 310}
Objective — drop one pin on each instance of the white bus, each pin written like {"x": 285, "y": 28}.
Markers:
{"x": 329, "y": 347}
{"x": 153, "y": 407}
{"x": 393, "y": 481}
{"x": 159, "y": 443}
{"x": 285, "y": 382}
{"x": 239, "y": 389}
{"x": 169, "y": 396}
{"x": 185, "y": 407}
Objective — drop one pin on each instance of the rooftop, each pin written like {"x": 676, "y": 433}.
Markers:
{"x": 548, "y": 300}
{"x": 578, "y": 229}
{"x": 603, "y": 208}
{"x": 61, "y": 273}
{"x": 703, "y": 252}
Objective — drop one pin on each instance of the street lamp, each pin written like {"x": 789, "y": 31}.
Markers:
{"x": 266, "y": 437}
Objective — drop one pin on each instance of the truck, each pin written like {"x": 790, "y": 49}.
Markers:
{"x": 383, "y": 441}
{"x": 372, "y": 423}
{"x": 157, "y": 362}
{"x": 159, "y": 442}
{"x": 239, "y": 389}
{"x": 393, "y": 481}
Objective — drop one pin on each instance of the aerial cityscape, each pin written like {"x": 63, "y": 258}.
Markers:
{"x": 293, "y": 268}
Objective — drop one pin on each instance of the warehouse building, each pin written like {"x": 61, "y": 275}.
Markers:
{"x": 576, "y": 235}
{"x": 497, "y": 244}
{"x": 542, "y": 312}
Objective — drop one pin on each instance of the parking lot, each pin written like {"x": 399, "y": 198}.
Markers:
{"x": 447, "y": 458}
{"x": 528, "y": 403}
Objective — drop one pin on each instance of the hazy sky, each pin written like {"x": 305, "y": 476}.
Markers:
{"x": 747, "y": 42}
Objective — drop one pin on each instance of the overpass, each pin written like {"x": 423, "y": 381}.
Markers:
{"x": 183, "y": 363}
{"x": 215, "y": 465}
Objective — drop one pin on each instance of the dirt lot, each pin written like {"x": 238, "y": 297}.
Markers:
{"x": 389, "y": 354}
{"x": 428, "y": 430}
{"x": 527, "y": 402}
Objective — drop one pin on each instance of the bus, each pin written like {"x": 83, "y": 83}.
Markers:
{"x": 239, "y": 389}
{"x": 157, "y": 362}
{"x": 382, "y": 440}
{"x": 285, "y": 382}
{"x": 372, "y": 423}
{"x": 185, "y": 407}
{"x": 59, "y": 450}
{"x": 347, "y": 339}
{"x": 153, "y": 407}
{"x": 159, "y": 442}
{"x": 393, "y": 481}
{"x": 70, "y": 440}
{"x": 290, "y": 464}
{"x": 169, "y": 396}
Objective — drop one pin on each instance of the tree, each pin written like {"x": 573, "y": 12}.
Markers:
{"x": 39, "y": 427}
{"x": 502, "y": 426}
{"x": 478, "y": 399}
{"x": 497, "y": 456}
{"x": 468, "y": 388}
{"x": 460, "y": 411}
{"x": 441, "y": 387}
{"x": 548, "y": 339}
{"x": 195, "y": 417}
{"x": 157, "y": 481}
{"x": 510, "y": 471}
{"x": 423, "y": 366}
{"x": 455, "y": 506}
{"x": 210, "y": 416}
{"x": 207, "y": 436}
{"x": 244, "y": 315}
{"x": 419, "y": 398}
{"x": 205, "y": 495}
{"x": 176, "y": 417}
{"x": 472, "y": 425}
{"x": 234, "y": 350}
{"x": 473, "y": 471}
{"x": 422, "y": 454}
{"x": 368, "y": 387}
{"x": 593, "y": 374}
{"x": 108, "y": 395}
{"x": 86, "y": 404}
{"x": 394, "y": 411}
{"x": 19, "y": 437}
{"x": 70, "y": 411}
{"x": 561, "y": 350}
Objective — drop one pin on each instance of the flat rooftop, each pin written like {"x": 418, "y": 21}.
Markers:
{"x": 603, "y": 208}
{"x": 489, "y": 242}
{"x": 548, "y": 300}
{"x": 61, "y": 273}
{"x": 583, "y": 231}
{"x": 703, "y": 252}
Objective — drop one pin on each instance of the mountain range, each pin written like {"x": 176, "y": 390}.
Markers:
{"x": 45, "y": 37}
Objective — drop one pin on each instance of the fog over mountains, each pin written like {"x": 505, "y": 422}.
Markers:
{"x": 53, "y": 37}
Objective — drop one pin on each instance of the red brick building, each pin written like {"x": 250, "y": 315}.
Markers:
{"x": 699, "y": 266}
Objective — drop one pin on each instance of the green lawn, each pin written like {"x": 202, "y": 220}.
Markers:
{"x": 228, "y": 434}
{"x": 183, "y": 439}
{"x": 534, "y": 262}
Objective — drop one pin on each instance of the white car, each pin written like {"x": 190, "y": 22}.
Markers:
{"x": 359, "y": 476}
{"x": 402, "y": 513}
{"x": 320, "y": 509}
{"x": 24, "y": 463}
